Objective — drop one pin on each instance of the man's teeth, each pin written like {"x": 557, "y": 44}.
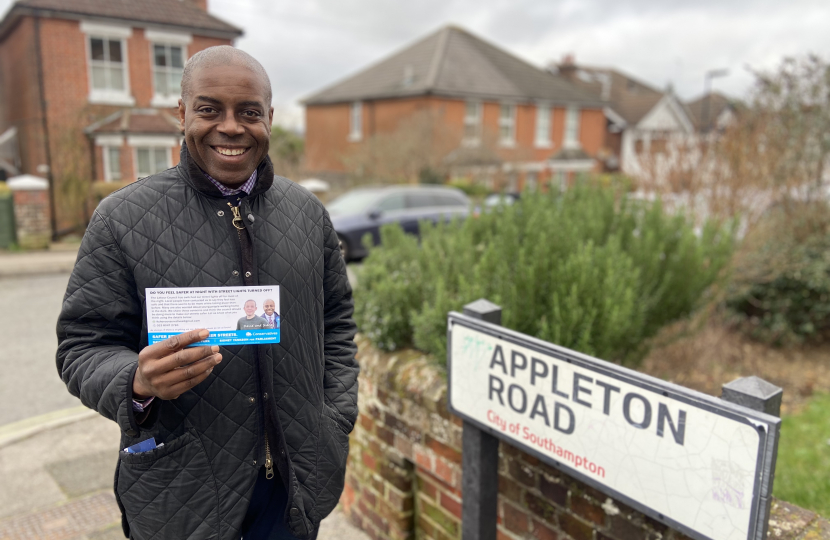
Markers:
{"x": 231, "y": 151}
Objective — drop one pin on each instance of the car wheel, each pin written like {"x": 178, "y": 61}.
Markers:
{"x": 344, "y": 248}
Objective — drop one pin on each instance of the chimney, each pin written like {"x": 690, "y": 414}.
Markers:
{"x": 201, "y": 4}
{"x": 567, "y": 67}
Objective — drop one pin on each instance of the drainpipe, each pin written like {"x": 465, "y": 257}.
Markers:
{"x": 49, "y": 177}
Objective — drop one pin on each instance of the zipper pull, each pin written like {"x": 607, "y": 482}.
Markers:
{"x": 269, "y": 465}
{"x": 237, "y": 219}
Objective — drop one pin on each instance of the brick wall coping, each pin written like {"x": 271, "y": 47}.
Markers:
{"x": 27, "y": 182}
{"x": 411, "y": 386}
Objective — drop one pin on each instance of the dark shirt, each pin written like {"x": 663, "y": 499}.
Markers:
{"x": 255, "y": 323}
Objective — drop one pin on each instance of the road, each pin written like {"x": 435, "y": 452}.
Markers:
{"x": 29, "y": 384}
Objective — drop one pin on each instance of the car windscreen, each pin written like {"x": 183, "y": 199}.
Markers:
{"x": 353, "y": 202}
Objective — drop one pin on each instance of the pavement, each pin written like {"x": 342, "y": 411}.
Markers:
{"x": 57, "y": 458}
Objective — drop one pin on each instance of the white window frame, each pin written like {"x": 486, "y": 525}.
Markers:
{"x": 105, "y": 142}
{"x": 167, "y": 151}
{"x": 112, "y": 33}
{"x": 107, "y": 164}
{"x": 544, "y": 114}
{"x": 167, "y": 39}
{"x": 572, "y": 126}
{"x": 167, "y": 142}
{"x": 474, "y": 121}
{"x": 356, "y": 121}
{"x": 509, "y": 123}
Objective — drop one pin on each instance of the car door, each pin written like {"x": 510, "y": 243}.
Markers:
{"x": 389, "y": 209}
{"x": 419, "y": 205}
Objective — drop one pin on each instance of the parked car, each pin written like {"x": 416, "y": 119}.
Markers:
{"x": 496, "y": 200}
{"x": 365, "y": 210}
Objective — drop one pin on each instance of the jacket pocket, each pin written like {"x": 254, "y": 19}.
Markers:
{"x": 331, "y": 463}
{"x": 169, "y": 492}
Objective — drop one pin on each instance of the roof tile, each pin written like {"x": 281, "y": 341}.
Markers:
{"x": 165, "y": 12}
{"x": 454, "y": 62}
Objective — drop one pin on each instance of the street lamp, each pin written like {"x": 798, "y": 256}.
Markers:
{"x": 707, "y": 95}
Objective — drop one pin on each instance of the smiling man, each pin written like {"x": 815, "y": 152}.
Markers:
{"x": 269, "y": 308}
{"x": 255, "y": 437}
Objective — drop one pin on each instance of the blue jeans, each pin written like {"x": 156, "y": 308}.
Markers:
{"x": 264, "y": 519}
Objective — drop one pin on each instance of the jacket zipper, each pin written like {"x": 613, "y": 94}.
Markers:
{"x": 237, "y": 219}
{"x": 269, "y": 465}
{"x": 240, "y": 226}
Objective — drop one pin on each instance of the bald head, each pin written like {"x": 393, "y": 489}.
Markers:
{"x": 222, "y": 55}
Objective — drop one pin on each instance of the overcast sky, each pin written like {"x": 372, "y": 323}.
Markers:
{"x": 308, "y": 44}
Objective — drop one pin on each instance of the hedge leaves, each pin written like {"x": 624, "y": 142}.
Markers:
{"x": 588, "y": 269}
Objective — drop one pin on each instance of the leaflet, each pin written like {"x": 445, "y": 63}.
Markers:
{"x": 233, "y": 315}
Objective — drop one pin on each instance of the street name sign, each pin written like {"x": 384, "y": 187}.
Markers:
{"x": 699, "y": 464}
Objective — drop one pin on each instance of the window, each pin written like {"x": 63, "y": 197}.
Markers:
{"x": 392, "y": 203}
{"x": 107, "y": 63}
{"x": 151, "y": 161}
{"x": 543, "y": 122}
{"x": 356, "y": 121}
{"x": 112, "y": 164}
{"x": 109, "y": 80}
{"x": 531, "y": 181}
{"x": 472, "y": 123}
{"x": 572, "y": 128}
{"x": 507, "y": 125}
{"x": 419, "y": 200}
{"x": 168, "y": 64}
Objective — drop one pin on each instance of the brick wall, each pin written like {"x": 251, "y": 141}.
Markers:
{"x": 327, "y": 128}
{"x": 404, "y": 474}
{"x": 31, "y": 216}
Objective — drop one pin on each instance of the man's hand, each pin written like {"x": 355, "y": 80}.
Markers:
{"x": 166, "y": 370}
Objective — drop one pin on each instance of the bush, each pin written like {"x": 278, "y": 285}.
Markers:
{"x": 586, "y": 269}
{"x": 781, "y": 287}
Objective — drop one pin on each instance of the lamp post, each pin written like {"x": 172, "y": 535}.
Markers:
{"x": 707, "y": 96}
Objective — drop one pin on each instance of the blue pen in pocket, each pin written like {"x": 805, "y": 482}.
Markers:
{"x": 143, "y": 446}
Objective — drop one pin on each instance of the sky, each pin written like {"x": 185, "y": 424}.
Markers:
{"x": 306, "y": 45}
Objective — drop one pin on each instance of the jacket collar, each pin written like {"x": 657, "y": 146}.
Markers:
{"x": 193, "y": 175}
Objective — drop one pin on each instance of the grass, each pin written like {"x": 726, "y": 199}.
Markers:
{"x": 802, "y": 475}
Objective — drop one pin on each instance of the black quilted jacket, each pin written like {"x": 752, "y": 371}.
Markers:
{"x": 174, "y": 230}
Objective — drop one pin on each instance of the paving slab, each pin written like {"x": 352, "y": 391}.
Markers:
{"x": 27, "y": 263}
{"x": 57, "y": 483}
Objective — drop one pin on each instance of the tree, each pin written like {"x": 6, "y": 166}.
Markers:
{"x": 775, "y": 151}
{"x": 286, "y": 151}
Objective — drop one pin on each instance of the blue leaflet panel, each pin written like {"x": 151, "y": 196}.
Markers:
{"x": 227, "y": 337}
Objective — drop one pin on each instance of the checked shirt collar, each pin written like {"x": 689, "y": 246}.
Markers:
{"x": 247, "y": 187}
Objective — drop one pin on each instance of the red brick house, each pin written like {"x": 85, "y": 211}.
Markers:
{"x": 539, "y": 125}
{"x": 90, "y": 86}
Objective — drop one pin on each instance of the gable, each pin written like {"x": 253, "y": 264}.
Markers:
{"x": 666, "y": 116}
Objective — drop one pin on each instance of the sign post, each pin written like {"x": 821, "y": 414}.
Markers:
{"x": 699, "y": 464}
{"x": 479, "y": 459}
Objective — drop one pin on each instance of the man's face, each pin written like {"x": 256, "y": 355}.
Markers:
{"x": 250, "y": 307}
{"x": 269, "y": 307}
{"x": 226, "y": 122}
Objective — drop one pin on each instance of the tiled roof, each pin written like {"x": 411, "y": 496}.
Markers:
{"x": 181, "y": 13}
{"x": 630, "y": 98}
{"x": 716, "y": 104}
{"x": 137, "y": 121}
{"x": 453, "y": 62}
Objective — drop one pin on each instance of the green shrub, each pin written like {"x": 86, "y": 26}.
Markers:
{"x": 586, "y": 269}
{"x": 781, "y": 287}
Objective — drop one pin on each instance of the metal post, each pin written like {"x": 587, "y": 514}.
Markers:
{"x": 480, "y": 459}
{"x": 759, "y": 395}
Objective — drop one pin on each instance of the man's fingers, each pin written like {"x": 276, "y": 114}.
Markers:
{"x": 173, "y": 344}
{"x": 187, "y": 372}
{"x": 187, "y": 356}
{"x": 183, "y": 386}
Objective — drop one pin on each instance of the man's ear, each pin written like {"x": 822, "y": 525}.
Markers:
{"x": 181, "y": 114}
{"x": 270, "y": 117}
